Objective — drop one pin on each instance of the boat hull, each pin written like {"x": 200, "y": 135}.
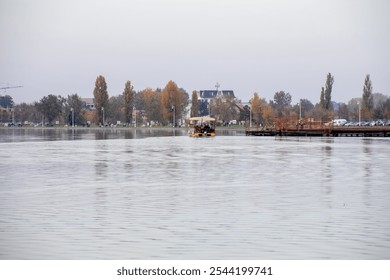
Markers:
{"x": 200, "y": 134}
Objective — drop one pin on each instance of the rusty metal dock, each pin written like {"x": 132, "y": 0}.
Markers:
{"x": 376, "y": 131}
{"x": 313, "y": 128}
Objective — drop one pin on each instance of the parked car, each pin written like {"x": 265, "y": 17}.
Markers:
{"x": 339, "y": 122}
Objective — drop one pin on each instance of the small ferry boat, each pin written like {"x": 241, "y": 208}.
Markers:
{"x": 201, "y": 127}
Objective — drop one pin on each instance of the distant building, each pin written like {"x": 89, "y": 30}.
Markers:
{"x": 89, "y": 103}
{"x": 207, "y": 95}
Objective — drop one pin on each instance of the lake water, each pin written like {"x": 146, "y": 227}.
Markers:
{"x": 72, "y": 195}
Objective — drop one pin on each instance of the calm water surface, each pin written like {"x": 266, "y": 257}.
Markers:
{"x": 175, "y": 197}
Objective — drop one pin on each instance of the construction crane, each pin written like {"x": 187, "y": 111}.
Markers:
{"x": 8, "y": 87}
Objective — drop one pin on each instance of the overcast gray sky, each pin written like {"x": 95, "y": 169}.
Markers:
{"x": 60, "y": 47}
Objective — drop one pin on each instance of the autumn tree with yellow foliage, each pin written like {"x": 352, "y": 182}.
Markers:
{"x": 150, "y": 102}
{"x": 262, "y": 112}
{"x": 128, "y": 95}
{"x": 101, "y": 97}
{"x": 173, "y": 99}
{"x": 256, "y": 108}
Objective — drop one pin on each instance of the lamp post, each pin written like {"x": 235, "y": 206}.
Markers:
{"x": 135, "y": 118}
{"x": 250, "y": 116}
{"x": 300, "y": 109}
{"x": 360, "y": 114}
{"x": 103, "y": 115}
{"x": 13, "y": 116}
{"x": 72, "y": 110}
{"x": 174, "y": 117}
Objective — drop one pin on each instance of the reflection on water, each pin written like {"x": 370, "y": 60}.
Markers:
{"x": 49, "y": 134}
{"x": 228, "y": 197}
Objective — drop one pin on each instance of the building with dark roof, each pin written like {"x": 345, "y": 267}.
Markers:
{"x": 210, "y": 94}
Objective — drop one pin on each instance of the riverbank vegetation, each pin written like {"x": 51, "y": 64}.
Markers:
{"x": 171, "y": 105}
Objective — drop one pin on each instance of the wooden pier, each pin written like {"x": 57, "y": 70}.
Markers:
{"x": 322, "y": 131}
{"x": 316, "y": 127}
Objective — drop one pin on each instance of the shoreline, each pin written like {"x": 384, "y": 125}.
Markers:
{"x": 238, "y": 128}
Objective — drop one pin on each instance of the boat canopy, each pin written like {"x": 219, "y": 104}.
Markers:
{"x": 202, "y": 119}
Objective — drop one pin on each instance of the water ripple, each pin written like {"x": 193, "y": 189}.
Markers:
{"x": 177, "y": 197}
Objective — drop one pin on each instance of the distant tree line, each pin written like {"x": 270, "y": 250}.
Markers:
{"x": 149, "y": 106}
{"x": 170, "y": 104}
{"x": 372, "y": 106}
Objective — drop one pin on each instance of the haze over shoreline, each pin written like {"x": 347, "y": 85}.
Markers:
{"x": 59, "y": 47}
